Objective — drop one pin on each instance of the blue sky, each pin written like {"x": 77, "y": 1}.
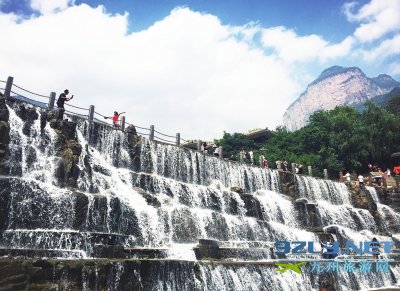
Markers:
{"x": 194, "y": 67}
{"x": 306, "y": 16}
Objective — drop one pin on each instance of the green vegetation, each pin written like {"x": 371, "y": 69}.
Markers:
{"x": 233, "y": 143}
{"x": 393, "y": 104}
{"x": 341, "y": 139}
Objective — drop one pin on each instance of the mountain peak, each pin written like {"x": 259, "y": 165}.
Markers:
{"x": 384, "y": 80}
{"x": 335, "y": 70}
{"x": 336, "y": 86}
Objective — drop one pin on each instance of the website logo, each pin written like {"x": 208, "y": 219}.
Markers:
{"x": 285, "y": 267}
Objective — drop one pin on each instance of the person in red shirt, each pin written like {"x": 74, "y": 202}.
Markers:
{"x": 115, "y": 118}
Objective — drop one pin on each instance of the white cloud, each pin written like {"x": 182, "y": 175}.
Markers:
{"x": 187, "y": 73}
{"x": 394, "y": 68}
{"x": 386, "y": 48}
{"x": 377, "y": 18}
{"x": 50, "y": 6}
{"x": 293, "y": 48}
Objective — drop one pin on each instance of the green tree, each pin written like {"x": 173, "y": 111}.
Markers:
{"x": 233, "y": 143}
{"x": 393, "y": 104}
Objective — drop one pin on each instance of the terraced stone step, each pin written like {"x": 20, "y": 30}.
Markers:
{"x": 40, "y": 253}
{"x": 62, "y": 240}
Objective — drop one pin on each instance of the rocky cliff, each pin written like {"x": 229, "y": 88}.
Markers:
{"x": 336, "y": 86}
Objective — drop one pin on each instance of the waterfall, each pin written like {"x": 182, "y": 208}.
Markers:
{"x": 389, "y": 218}
{"x": 317, "y": 189}
{"x": 139, "y": 198}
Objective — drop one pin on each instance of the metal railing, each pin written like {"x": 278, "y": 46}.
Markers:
{"x": 90, "y": 114}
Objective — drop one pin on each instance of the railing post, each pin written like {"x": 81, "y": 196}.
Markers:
{"x": 91, "y": 113}
{"x": 341, "y": 178}
{"x": 199, "y": 145}
{"x": 178, "y": 139}
{"x": 261, "y": 159}
{"x": 151, "y": 136}
{"x": 123, "y": 123}
{"x": 7, "y": 91}
{"x": 310, "y": 171}
{"x": 293, "y": 168}
{"x": 220, "y": 153}
{"x": 52, "y": 100}
{"x": 326, "y": 174}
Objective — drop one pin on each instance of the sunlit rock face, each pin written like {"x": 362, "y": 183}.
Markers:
{"x": 335, "y": 86}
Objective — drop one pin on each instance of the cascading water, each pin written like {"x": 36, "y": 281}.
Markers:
{"x": 149, "y": 196}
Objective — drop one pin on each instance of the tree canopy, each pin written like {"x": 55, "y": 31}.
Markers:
{"x": 341, "y": 139}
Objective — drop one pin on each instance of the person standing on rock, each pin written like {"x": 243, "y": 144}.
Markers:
{"x": 62, "y": 98}
{"x": 115, "y": 119}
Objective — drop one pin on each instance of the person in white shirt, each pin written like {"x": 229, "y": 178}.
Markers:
{"x": 361, "y": 180}
{"x": 216, "y": 152}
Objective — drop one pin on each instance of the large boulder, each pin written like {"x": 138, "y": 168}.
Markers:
{"x": 67, "y": 170}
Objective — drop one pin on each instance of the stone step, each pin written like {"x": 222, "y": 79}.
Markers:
{"x": 145, "y": 253}
{"x": 246, "y": 253}
{"x": 40, "y": 253}
{"x": 62, "y": 240}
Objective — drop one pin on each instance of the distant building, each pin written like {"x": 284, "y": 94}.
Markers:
{"x": 259, "y": 135}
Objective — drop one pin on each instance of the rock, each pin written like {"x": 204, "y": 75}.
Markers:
{"x": 26, "y": 112}
{"x": 237, "y": 189}
{"x": 301, "y": 200}
{"x": 75, "y": 147}
{"x": 207, "y": 249}
{"x": 43, "y": 119}
{"x": 4, "y": 132}
{"x": 81, "y": 211}
{"x": 50, "y": 115}
{"x": 150, "y": 199}
{"x": 107, "y": 251}
{"x": 131, "y": 130}
{"x": 288, "y": 184}
{"x": 64, "y": 128}
{"x": 333, "y": 229}
{"x": 252, "y": 206}
{"x": 4, "y": 114}
{"x": 208, "y": 242}
{"x": 4, "y": 141}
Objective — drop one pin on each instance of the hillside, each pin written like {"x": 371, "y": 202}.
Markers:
{"x": 336, "y": 86}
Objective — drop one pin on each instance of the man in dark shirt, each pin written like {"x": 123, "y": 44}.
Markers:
{"x": 62, "y": 98}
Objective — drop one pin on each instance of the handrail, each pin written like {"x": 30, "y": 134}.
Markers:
{"x": 73, "y": 106}
{"x": 28, "y": 100}
{"x": 40, "y": 95}
{"x": 164, "y": 134}
{"x": 164, "y": 140}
